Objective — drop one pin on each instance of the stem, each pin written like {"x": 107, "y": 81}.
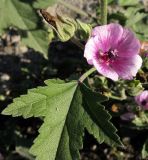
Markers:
{"x": 86, "y": 74}
{"x": 103, "y": 12}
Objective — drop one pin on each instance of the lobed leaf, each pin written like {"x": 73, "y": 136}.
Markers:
{"x": 35, "y": 102}
{"x": 62, "y": 132}
{"x": 97, "y": 119}
{"x": 68, "y": 109}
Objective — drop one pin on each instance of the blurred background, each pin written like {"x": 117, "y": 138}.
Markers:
{"x": 30, "y": 53}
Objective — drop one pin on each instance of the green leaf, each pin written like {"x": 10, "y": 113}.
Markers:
{"x": 128, "y": 2}
{"x": 136, "y": 18}
{"x": 38, "y": 40}
{"x": 30, "y": 105}
{"x": 66, "y": 27}
{"x": 22, "y": 16}
{"x": 133, "y": 87}
{"x": 18, "y": 14}
{"x": 141, "y": 120}
{"x": 44, "y": 3}
{"x": 59, "y": 127}
{"x": 134, "y": 15}
{"x": 63, "y": 129}
{"x": 67, "y": 111}
{"x": 83, "y": 30}
{"x": 141, "y": 30}
{"x": 145, "y": 150}
{"x": 97, "y": 118}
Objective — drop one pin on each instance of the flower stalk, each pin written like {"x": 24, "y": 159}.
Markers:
{"x": 103, "y": 12}
{"x": 86, "y": 74}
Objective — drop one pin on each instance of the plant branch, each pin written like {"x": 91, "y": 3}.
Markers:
{"x": 103, "y": 12}
{"x": 86, "y": 74}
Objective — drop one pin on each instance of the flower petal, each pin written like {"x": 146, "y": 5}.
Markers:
{"x": 142, "y": 97}
{"x": 108, "y": 35}
{"x": 126, "y": 67}
{"x": 129, "y": 45}
{"x": 113, "y": 51}
{"x": 105, "y": 70}
{"x": 90, "y": 50}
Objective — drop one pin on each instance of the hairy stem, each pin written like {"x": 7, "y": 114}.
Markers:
{"x": 103, "y": 12}
{"x": 86, "y": 74}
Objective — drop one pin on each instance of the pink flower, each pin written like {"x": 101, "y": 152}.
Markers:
{"x": 142, "y": 99}
{"x": 113, "y": 51}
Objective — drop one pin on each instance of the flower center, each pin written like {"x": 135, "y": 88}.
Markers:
{"x": 143, "y": 103}
{"x": 109, "y": 56}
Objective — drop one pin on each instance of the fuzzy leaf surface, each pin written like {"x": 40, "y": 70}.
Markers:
{"x": 97, "y": 119}
{"x": 38, "y": 40}
{"x": 65, "y": 27}
{"x": 18, "y": 14}
{"x": 68, "y": 109}
{"x": 21, "y": 15}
